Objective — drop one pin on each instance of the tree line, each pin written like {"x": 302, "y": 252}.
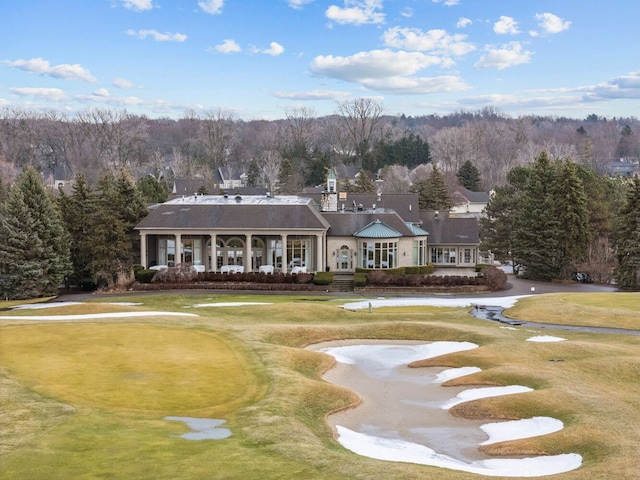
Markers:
{"x": 555, "y": 217}
{"x": 359, "y": 133}
{"x": 85, "y": 238}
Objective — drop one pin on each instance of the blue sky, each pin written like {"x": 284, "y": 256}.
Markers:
{"x": 262, "y": 58}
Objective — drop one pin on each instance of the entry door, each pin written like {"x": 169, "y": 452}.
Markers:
{"x": 344, "y": 259}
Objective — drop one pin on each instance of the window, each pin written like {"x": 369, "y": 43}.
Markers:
{"x": 378, "y": 254}
{"x": 298, "y": 253}
{"x": 469, "y": 256}
{"x": 445, "y": 256}
{"x": 167, "y": 252}
{"x": 420, "y": 252}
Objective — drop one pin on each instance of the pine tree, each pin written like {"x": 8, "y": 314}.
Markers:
{"x": 497, "y": 225}
{"x": 573, "y": 215}
{"x": 49, "y": 228}
{"x": 364, "y": 184}
{"x": 21, "y": 272}
{"x": 627, "y": 273}
{"x": 433, "y": 192}
{"x": 469, "y": 176}
{"x": 79, "y": 213}
{"x": 120, "y": 208}
{"x": 537, "y": 230}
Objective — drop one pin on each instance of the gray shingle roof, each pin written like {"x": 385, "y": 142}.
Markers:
{"x": 444, "y": 230}
{"x": 218, "y": 212}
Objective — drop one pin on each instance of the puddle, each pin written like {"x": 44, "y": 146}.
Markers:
{"x": 202, "y": 428}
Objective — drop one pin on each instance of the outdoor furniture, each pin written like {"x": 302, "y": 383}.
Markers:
{"x": 231, "y": 269}
{"x": 299, "y": 270}
{"x": 265, "y": 269}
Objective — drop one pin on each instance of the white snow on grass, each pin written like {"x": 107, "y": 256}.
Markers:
{"x": 396, "y": 450}
{"x": 388, "y": 357}
{"x": 517, "y": 429}
{"x": 37, "y": 306}
{"x": 452, "y": 373}
{"x": 483, "y": 392}
{"x": 545, "y": 338}
{"x": 504, "y": 302}
{"x": 230, "y": 304}
{"x": 94, "y": 316}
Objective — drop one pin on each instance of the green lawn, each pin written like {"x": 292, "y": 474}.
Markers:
{"x": 87, "y": 399}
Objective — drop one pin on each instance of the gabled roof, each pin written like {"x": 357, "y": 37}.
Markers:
{"x": 377, "y": 229}
{"x": 472, "y": 197}
{"x": 445, "y": 230}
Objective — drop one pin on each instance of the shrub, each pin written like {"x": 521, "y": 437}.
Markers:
{"x": 144, "y": 276}
{"x": 494, "y": 278}
{"x": 360, "y": 279}
{"x": 323, "y": 278}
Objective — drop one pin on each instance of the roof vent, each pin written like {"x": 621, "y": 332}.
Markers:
{"x": 238, "y": 197}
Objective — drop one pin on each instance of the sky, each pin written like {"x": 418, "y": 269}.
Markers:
{"x": 263, "y": 59}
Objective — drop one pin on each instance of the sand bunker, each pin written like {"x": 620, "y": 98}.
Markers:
{"x": 404, "y": 414}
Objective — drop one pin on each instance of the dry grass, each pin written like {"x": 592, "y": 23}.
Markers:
{"x": 585, "y": 309}
{"x": 278, "y": 425}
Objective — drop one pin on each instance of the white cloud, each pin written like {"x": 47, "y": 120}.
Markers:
{"x": 43, "y": 67}
{"x": 357, "y": 12}
{"x": 102, "y": 92}
{"x": 4, "y": 102}
{"x": 463, "y": 22}
{"x": 448, "y": 3}
{"x": 372, "y": 64}
{"x": 407, "y": 12}
{"x": 506, "y": 26}
{"x": 313, "y": 95}
{"x": 138, "y": 5}
{"x": 214, "y": 7}
{"x": 274, "y": 49}
{"x": 389, "y": 71}
{"x": 551, "y": 23}
{"x": 436, "y": 41}
{"x": 157, "y": 36}
{"x": 122, "y": 83}
{"x": 298, "y": 4}
{"x": 506, "y": 56}
{"x": 228, "y": 46}
{"x": 417, "y": 85}
{"x": 52, "y": 94}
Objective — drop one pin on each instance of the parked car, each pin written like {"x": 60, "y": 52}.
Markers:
{"x": 582, "y": 277}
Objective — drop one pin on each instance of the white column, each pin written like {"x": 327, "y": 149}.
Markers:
{"x": 213, "y": 251}
{"x": 178, "y": 249}
{"x": 320, "y": 260}
{"x": 284, "y": 253}
{"x": 143, "y": 250}
{"x": 247, "y": 253}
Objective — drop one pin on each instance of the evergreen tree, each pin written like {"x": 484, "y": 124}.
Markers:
{"x": 433, "y": 192}
{"x": 627, "y": 273}
{"x": 469, "y": 176}
{"x": 286, "y": 178}
{"x": 21, "y": 270}
{"x": 152, "y": 190}
{"x": 537, "y": 229}
{"x": 30, "y": 203}
{"x": 79, "y": 213}
{"x": 364, "y": 184}
{"x": 497, "y": 225}
{"x": 120, "y": 208}
{"x": 253, "y": 174}
{"x": 572, "y": 213}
